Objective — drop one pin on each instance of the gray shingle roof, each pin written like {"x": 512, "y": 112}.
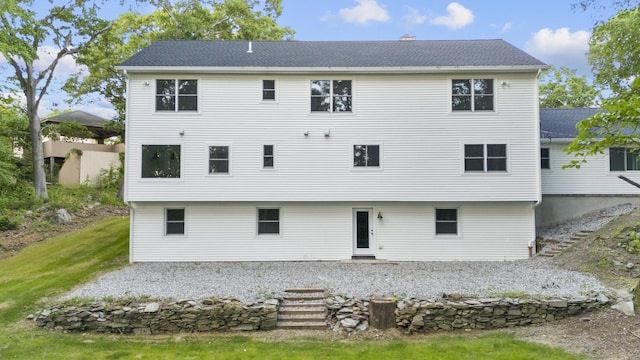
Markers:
{"x": 561, "y": 123}
{"x": 323, "y": 54}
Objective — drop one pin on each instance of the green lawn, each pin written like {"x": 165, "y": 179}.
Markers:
{"x": 50, "y": 268}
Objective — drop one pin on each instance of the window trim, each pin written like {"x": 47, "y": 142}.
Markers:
{"x": 486, "y": 157}
{"x": 184, "y": 221}
{"x": 275, "y": 91}
{"x": 458, "y": 221}
{"x": 258, "y": 233}
{"x": 176, "y": 109}
{"x": 179, "y": 178}
{"x": 331, "y": 96}
{"x": 472, "y": 96}
{"x": 547, "y": 158}
{"x": 625, "y": 158}
{"x": 273, "y": 157}
{"x": 366, "y": 167}
{"x": 229, "y": 150}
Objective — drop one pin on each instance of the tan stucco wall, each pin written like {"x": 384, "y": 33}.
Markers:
{"x": 92, "y": 162}
{"x": 70, "y": 171}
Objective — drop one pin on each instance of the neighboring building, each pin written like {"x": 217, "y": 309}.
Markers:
{"x": 271, "y": 150}
{"x": 83, "y": 166}
{"x": 569, "y": 193}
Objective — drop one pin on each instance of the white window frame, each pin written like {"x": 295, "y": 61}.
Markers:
{"x": 458, "y": 233}
{"x": 258, "y": 233}
{"x": 485, "y": 158}
{"x": 263, "y": 89}
{"x": 176, "y": 108}
{"x": 472, "y": 95}
{"x": 331, "y": 96}
{"x": 548, "y": 158}
{"x": 163, "y": 179}
{"x": 367, "y": 167}
{"x": 184, "y": 221}
{"x": 273, "y": 157}
{"x": 229, "y": 153}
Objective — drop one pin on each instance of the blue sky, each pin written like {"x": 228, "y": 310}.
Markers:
{"x": 547, "y": 29}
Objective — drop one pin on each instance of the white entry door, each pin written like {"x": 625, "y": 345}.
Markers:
{"x": 362, "y": 232}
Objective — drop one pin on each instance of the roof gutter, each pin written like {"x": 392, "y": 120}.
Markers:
{"x": 315, "y": 70}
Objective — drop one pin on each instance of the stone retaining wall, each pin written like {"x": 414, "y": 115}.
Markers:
{"x": 421, "y": 316}
{"x": 158, "y": 317}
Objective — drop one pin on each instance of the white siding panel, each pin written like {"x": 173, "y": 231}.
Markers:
{"x": 409, "y": 116}
{"x": 593, "y": 177}
{"x": 324, "y": 231}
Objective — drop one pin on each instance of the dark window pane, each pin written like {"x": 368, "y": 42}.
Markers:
{"x": 473, "y": 151}
{"x": 461, "y": 87}
{"x": 175, "y": 228}
{"x": 484, "y": 102}
{"x": 359, "y": 155}
{"x": 320, "y": 103}
{"x": 483, "y": 86}
{"x": 188, "y": 87}
{"x": 446, "y": 228}
{"x": 268, "y": 95}
{"x": 341, "y": 103}
{"x": 165, "y": 87}
{"x": 496, "y": 150}
{"x": 474, "y": 165}
{"x": 160, "y": 161}
{"x": 446, "y": 214}
{"x": 544, "y": 158}
{"x": 496, "y": 165}
{"x": 544, "y": 163}
{"x": 362, "y": 229}
{"x": 268, "y": 228}
{"x": 268, "y": 162}
{"x": 218, "y": 152}
{"x": 189, "y": 103}
{"x": 218, "y": 166}
{"x": 165, "y": 103}
{"x": 268, "y": 214}
{"x": 268, "y": 84}
{"x": 633, "y": 159}
{"x": 268, "y": 89}
{"x": 175, "y": 214}
{"x": 341, "y": 87}
{"x": 461, "y": 102}
{"x": 373, "y": 155}
{"x": 268, "y": 150}
{"x": 320, "y": 87}
{"x": 616, "y": 159}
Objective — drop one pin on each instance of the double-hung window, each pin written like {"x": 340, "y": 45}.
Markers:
{"x": 472, "y": 95}
{"x": 176, "y": 95}
{"x": 160, "y": 161}
{"x": 545, "y": 162}
{"x": 174, "y": 221}
{"x": 269, "y": 221}
{"x": 218, "y": 159}
{"x": 446, "y": 221}
{"x": 366, "y": 155}
{"x": 331, "y": 95}
{"x": 268, "y": 157}
{"x": 268, "y": 89}
{"x": 485, "y": 158}
{"x": 624, "y": 159}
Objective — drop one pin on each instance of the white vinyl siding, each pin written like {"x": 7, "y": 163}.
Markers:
{"x": 410, "y": 114}
{"x": 323, "y": 231}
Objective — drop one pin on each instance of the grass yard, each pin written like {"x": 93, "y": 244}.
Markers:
{"x": 48, "y": 269}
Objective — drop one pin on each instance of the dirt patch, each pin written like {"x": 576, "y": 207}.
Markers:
{"x": 40, "y": 226}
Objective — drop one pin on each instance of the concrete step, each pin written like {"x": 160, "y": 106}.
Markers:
{"x": 304, "y": 290}
{"x": 304, "y": 297}
{"x": 303, "y": 312}
{"x": 291, "y": 325}
{"x": 303, "y": 318}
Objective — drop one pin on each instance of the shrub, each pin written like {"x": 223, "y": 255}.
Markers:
{"x": 10, "y": 220}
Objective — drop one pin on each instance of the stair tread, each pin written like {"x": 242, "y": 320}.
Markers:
{"x": 304, "y": 290}
{"x": 319, "y": 325}
{"x": 302, "y": 312}
{"x": 290, "y": 297}
{"x": 313, "y": 319}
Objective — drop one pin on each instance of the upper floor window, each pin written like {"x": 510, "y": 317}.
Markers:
{"x": 268, "y": 89}
{"x": 472, "y": 94}
{"x": 624, "y": 159}
{"x": 267, "y": 156}
{"x": 174, "y": 221}
{"x": 218, "y": 159}
{"x": 176, "y": 95}
{"x": 331, "y": 95}
{"x": 160, "y": 161}
{"x": 544, "y": 158}
{"x": 485, "y": 157}
{"x": 366, "y": 155}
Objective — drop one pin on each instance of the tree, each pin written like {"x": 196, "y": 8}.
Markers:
{"x": 563, "y": 88}
{"x": 70, "y": 28}
{"x": 190, "y": 20}
{"x": 614, "y": 54}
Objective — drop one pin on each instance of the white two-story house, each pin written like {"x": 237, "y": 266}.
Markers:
{"x": 274, "y": 150}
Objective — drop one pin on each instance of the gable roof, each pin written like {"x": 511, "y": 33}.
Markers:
{"x": 94, "y": 123}
{"x": 561, "y": 123}
{"x": 331, "y": 54}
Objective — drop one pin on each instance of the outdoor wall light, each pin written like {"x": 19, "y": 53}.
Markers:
{"x": 380, "y": 217}
{"x": 306, "y": 133}
{"x": 181, "y": 132}
{"x": 327, "y": 133}
{"x": 146, "y": 83}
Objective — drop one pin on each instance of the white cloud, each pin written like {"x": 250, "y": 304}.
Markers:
{"x": 66, "y": 65}
{"x": 457, "y": 17}
{"x": 413, "y": 16}
{"x": 365, "y": 11}
{"x": 561, "y": 47}
{"x": 506, "y": 27}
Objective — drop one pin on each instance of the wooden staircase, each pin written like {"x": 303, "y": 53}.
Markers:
{"x": 558, "y": 246}
{"x": 303, "y": 309}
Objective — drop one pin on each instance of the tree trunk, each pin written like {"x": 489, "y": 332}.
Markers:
{"x": 37, "y": 154}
